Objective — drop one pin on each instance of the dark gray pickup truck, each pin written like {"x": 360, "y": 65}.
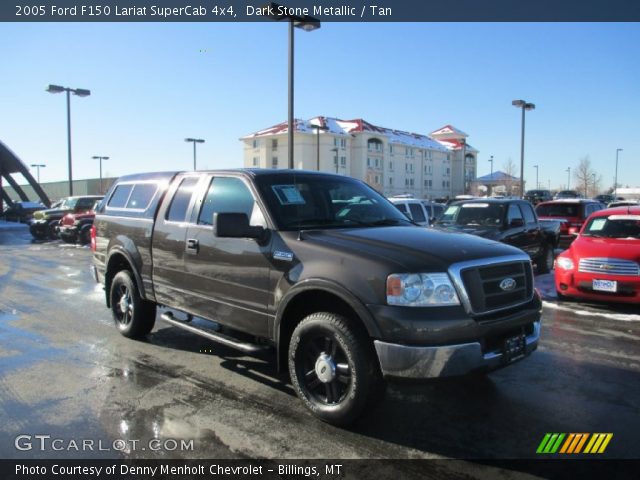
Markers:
{"x": 320, "y": 267}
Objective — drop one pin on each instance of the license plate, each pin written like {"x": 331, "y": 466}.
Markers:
{"x": 605, "y": 285}
{"x": 514, "y": 348}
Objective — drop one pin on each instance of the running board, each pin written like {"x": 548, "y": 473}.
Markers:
{"x": 214, "y": 336}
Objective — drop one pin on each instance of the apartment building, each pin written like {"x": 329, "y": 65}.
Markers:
{"x": 394, "y": 162}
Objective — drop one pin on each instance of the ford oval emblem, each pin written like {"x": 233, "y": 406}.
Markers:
{"x": 508, "y": 284}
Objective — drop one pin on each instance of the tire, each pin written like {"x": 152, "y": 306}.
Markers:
{"x": 333, "y": 368}
{"x": 133, "y": 316}
{"x": 545, "y": 262}
{"x": 51, "y": 230}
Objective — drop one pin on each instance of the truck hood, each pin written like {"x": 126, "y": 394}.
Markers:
{"x": 50, "y": 212}
{"x": 492, "y": 233}
{"x": 412, "y": 248}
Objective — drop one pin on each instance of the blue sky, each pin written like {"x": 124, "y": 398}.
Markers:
{"x": 153, "y": 84}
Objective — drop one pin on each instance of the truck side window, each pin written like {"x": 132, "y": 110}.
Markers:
{"x": 228, "y": 195}
{"x": 529, "y": 217}
{"x": 417, "y": 213}
{"x": 120, "y": 195}
{"x": 180, "y": 202}
{"x": 514, "y": 213}
{"x": 141, "y": 196}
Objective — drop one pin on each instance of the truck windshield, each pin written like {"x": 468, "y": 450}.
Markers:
{"x": 485, "y": 214}
{"x": 308, "y": 201}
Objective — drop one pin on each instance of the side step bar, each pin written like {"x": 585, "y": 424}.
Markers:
{"x": 214, "y": 336}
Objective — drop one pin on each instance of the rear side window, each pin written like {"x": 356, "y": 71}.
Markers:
{"x": 141, "y": 196}
{"x": 417, "y": 213}
{"x": 402, "y": 207}
{"x": 514, "y": 213}
{"x": 180, "y": 201}
{"x": 120, "y": 195}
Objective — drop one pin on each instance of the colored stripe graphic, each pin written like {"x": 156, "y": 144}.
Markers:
{"x": 574, "y": 443}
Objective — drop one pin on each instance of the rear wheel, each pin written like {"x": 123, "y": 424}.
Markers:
{"x": 133, "y": 316}
{"x": 545, "y": 262}
{"x": 333, "y": 369}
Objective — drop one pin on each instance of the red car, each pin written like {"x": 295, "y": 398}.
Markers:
{"x": 603, "y": 263}
{"x": 572, "y": 212}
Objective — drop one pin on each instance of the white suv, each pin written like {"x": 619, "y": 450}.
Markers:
{"x": 423, "y": 212}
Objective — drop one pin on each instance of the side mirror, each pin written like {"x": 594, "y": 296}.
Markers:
{"x": 235, "y": 225}
{"x": 516, "y": 222}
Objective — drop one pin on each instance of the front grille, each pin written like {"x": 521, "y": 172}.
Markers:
{"x": 482, "y": 284}
{"x": 609, "y": 266}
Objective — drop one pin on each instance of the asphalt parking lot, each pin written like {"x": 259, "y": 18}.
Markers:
{"x": 67, "y": 373}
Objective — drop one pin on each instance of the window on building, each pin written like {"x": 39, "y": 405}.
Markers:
{"x": 343, "y": 161}
{"x": 390, "y": 148}
{"x": 274, "y": 144}
{"x": 391, "y": 166}
{"x": 377, "y": 163}
{"x": 368, "y": 162}
{"x": 411, "y": 182}
{"x": 390, "y": 181}
{"x": 256, "y": 161}
{"x": 448, "y": 172}
{"x": 374, "y": 145}
{"x": 274, "y": 161}
{"x": 343, "y": 143}
{"x": 255, "y": 144}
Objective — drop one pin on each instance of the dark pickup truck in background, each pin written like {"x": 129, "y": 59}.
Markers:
{"x": 507, "y": 220}
{"x": 319, "y": 267}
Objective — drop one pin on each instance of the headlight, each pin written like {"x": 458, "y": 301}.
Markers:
{"x": 420, "y": 289}
{"x": 564, "y": 263}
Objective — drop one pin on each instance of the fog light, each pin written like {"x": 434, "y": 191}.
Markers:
{"x": 563, "y": 286}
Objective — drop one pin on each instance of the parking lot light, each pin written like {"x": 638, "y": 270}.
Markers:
{"x": 38, "y": 167}
{"x": 524, "y": 106}
{"x": 80, "y": 92}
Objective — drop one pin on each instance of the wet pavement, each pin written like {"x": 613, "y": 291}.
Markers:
{"x": 65, "y": 372}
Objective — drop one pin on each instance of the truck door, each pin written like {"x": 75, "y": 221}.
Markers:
{"x": 515, "y": 228}
{"x": 227, "y": 278}
{"x": 169, "y": 234}
{"x": 535, "y": 240}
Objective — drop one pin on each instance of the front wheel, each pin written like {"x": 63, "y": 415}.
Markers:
{"x": 134, "y": 317}
{"x": 333, "y": 369}
{"x": 545, "y": 262}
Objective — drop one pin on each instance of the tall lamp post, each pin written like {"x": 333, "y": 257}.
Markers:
{"x": 307, "y": 24}
{"x": 194, "y": 141}
{"x": 337, "y": 151}
{"x": 318, "y": 128}
{"x": 568, "y": 170}
{"x": 464, "y": 166}
{"x": 80, "y": 92}
{"x": 615, "y": 181}
{"x": 536, "y": 167}
{"x": 97, "y": 157}
{"x": 491, "y": 177}
{"x": 38, "y": 166}
{"x": 524, "y": 106}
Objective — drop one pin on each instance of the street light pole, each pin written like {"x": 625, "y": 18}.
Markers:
{"x": 536, "y": 167}
{"x": 337, "y": 150}
{"x": 524, "y": 106}
{"x": 568, "y": 178}
{"x": 308, "y": 24}
{"x": 615, "y": 182}
{"x": 194, "y": 141}
{"x": 38, "y": 167}
{"x": 80, "y": 92}
{"x": 318, "y": 128}
{"x": 464, "y": 166}
{"x": 96, "y": 157}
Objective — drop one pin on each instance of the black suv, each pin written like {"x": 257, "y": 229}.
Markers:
{"x": 537, "y": 196}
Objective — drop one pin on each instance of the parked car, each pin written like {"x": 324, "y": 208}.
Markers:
{"x": 21, "y": 211}
{"x": 571, "y": 212}
{"x": 603, "y": 263}
{"x": 76, "y": 227}
{"x": 537, "y": 196}
{"x": 347, "y": 290}
{"x": 566, "y": 194}
{"x": 45, "y": 222}
{"x": 605, "y": 198}
{"x": 413, "y": 209}
{"x": 423, "y": 212}
{"x": 510, "y": 221}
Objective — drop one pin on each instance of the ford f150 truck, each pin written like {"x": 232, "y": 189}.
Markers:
{"x": 508, "y": 220}
{"x": 322, "y": 268}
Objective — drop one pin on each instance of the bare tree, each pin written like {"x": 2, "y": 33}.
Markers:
{"x": 509, "y": 168}
{"x": 586, "y": 177}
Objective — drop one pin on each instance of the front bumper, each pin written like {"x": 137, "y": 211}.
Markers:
{"x": 417, "y": 362}
{"x": 580, "y": 285}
